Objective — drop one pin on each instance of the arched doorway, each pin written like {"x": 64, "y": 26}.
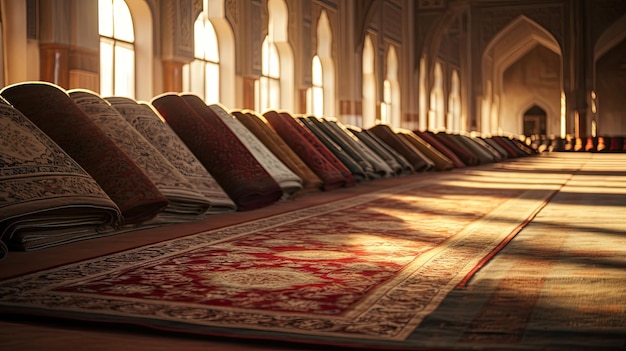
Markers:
{"x": 535, "y": 121}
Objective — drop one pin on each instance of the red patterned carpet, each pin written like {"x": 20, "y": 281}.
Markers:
{"x": 396, "y": 267}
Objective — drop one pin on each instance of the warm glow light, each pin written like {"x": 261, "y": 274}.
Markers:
{"x": 268, "y": 96}
{"x": 202, "y": 76}
{"x": 315, "y": 94}
{"x": 117, "y": 51}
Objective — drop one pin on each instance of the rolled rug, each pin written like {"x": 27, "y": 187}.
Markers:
{"x": 47, "y": 198}
{"x": 503, "y": 154}
{"x": 382, "y": 150}
{"x": 338, "y": 150}
{"x": 258, "y": 125}
{"x": 288, "y": 181}
{"x": 55, "y": 113}
{"x": 442, "y": 163}
{"x": 483, "y": 155}
{"x": 432, "y": 140}
{"x": 233, "y": 166}
{"x": 184, "y": 202}
{"x": 319, "y": 146}
{"x": 380, "y": 167}
{"x": 418, "y": 160}
{"x": 304, "y": 146}
{"x": 460, "y": 150}
{"x": 147, "y": 122}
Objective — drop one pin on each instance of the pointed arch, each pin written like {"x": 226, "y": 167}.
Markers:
{"x": 390, "y": 108}
{"x": 324, "y": 52}
{"x": 214, "y": 10}
{"x": 607, "y": 102}
{"x": 454, "y": 102}
{"x": 510, "y": 45}
{"x": 437, "y": 104}
{"x": 202, "y": 75}
{"x": 278, "y": 35}
{"x": 611, "y": 37}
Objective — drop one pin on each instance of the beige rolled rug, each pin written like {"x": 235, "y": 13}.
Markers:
{"x": 185, "y": 203}
{"x": 52, "y": 110}
{"x": 288, "y": 181}
{"x": 441, "y": 162}
{"x": 148, "y": 122}
{"x": 46, "y": 198}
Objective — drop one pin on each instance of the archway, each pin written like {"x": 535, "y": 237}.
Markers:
{"x": 534, "y": 121}
{"x": 502, "y": 69}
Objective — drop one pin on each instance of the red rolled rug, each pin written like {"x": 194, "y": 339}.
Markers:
{"x": 184, "y": 201}
{"x": 56, "y": 114}
{"x": 257, "y": 124}
{"x": 288, "y": 181}
{"x": 47, "y": 198}
{"x": 233, "y": 166}
{"x": 147, "y": 122}
{"x": 304, "y": 145}
{"x": 432, "y": 140}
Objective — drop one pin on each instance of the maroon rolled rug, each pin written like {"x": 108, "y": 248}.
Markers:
{"x": 303, "y": 145}
{"x": 233, "y": 166}
{"x": 184, "y": 201}
{"x": 257, "y": 124}
{"x": 432, "y": 140}
{"x": 47, "y": 198}
{"x": 147, "y": 122}
{"x": 288, "y": 181}
{"x": 56, "y": 114}
{"x": 449, "y": 141}
{"x": 418, "y": 160}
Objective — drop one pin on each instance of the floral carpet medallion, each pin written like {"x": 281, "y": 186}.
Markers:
{"x": 366, "y": 270}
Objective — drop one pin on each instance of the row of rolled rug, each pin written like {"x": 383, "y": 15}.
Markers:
{"x": 75, "y": 165}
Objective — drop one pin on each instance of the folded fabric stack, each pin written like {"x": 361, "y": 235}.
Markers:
{"x": 47, "y": 197}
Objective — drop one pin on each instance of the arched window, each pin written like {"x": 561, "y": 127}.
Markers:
{"x": 315, "y": 94}
{"x": 390, "y": 106}
{"x": 369, "y": 85}
{"x": 202, "y": 75}
{"x": 275, "y": 88}
{"x": 117, "y": 49}
{"x": 386, "y": 107}
{"x": 437, "y": 104}
{"x": 321, "y": 96}
{"x": 454, "y": 102}
{"x": 268, "y": 86}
